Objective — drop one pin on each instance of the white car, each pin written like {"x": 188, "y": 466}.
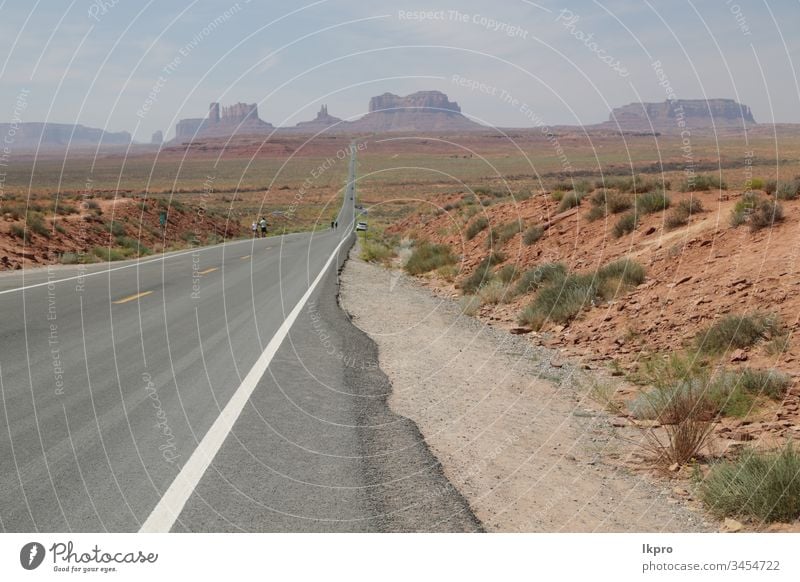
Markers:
{"x": 361, "y": 226}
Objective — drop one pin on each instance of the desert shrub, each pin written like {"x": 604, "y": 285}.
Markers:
{"x": 560, "y": 301}
{"x": 754, "y": 184}
{"x": 116, "y": 228}
{"x": 673, "y": 403}
{"x": 626, "y": 224}
{"x": 763, "y": 486}
{"x": 534, "y": 278}
{"x": 680, "y": 215}
{"x": 448, "y": 272}
{"x": 611, "y": 202}
{"x": 650, "y": 202}
{"x": 376, "y": 251}
{"x": 508, "y": 273}
{"x": 18, "y": 231}
{"x": 112, "y": 253}
{"x": 492, "y": 293}
{"x": 770, "y": 383}
{"x": 495, "y": 258}
{"x": 59, "y": 228}
{"x": 66, "y": 209}
{"x": 766, "y": 215}
{"x": 532, "y": 234}
{"x": 558, "y": 195}
{"x": 69, "y": 259}
{"x": 595, "y": 213}
{"x": 626, "y": 270}
{"x": 470, "y": 304}
{"x": 771, "y": 186}
{"x": 737, "y": 331}
{"x": 427, "y": 257}
{"x": 508, "y": 230}
{"x": 565, "y": 295}
{"x": 570, "y": 200}
{"x": 34, "y": 223}
{"x": 788, "y": 190}
{"x": 482, "y": 275}
{"x": 703, "y": 183}
{"x": 523, "y": 195}
{"x": 476, "y": 226}
{"x": 92, "y": 205}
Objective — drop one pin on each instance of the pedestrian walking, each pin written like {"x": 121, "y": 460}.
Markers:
{"x": 263, "y": 224}
{"x": 254, "y": 228}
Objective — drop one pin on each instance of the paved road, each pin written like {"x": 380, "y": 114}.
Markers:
{"x": 163, "y": 395}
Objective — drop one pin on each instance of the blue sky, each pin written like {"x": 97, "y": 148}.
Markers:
{"x": 106, "y": 63}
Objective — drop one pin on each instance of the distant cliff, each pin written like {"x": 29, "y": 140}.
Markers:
{"x": 240, "y": 118}
{"x": 421, "y": 111}
{"x": 59, "y": 135}
{"x": 677, "y": 113}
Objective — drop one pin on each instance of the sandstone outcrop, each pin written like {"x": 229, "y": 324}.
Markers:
{"x": 670, "y": 115}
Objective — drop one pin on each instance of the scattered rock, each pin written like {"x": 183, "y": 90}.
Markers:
{"x": 738, "y": 356}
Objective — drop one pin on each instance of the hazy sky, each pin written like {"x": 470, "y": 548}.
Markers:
{"x": 140, "y": 66}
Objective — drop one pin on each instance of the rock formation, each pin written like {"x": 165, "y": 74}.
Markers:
{"x": 321, "y": 122}
{"x": 37, "y": 135}
{"x": 240, "y": 118}
{"x": 158, "y": 138}
{"x": 670, "y": 115}
{"x": 421, "y": 111}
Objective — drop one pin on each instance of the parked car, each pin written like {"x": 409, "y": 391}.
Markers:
{"x": 361, "y": 226}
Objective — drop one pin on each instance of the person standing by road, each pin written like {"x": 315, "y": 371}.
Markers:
{"x": 254, "y": 228}
{"x": 263, "y": 224}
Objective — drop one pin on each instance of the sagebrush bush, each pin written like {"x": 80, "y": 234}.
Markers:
{"x": 476, "y": 226}
{"x": 427, "y": 257}
{"x": 763, "y": 486}
{"x": 508, "y": 273}
{"x": 570, "y": 200}
{"x": 532, "y": 234}
{"x": 626, "y": 224}
{"x": 534, "y": 278}
{"x": 376, "y": 251}
{"x": 788, "y": 190}
{"x": 765, "y": 215}
{"x": 736, "y": 332}
{"x": 35, "y": 223}
{"x": 703, "y": 183}
{"x": 503, "y": 233}
{"x": 492, "y": 293}
{"x": 650, "y": 202}
{"x": 482, "y": 275}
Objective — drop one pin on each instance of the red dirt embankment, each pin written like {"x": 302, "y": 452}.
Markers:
{"x": 695, "y": 274}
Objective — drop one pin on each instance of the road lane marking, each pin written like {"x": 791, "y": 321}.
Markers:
{"x": 169, "y": 507}
{"x": 138, "y": 263}
{"x": 131, "y": 297}
{"x": 245, "y": 257}
{"x": 207, "y": 271}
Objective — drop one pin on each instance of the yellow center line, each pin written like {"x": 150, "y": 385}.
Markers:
{"x": 207, "y": 271}
{"x": 131, "y": 297}
{"x": 245, "y": 257}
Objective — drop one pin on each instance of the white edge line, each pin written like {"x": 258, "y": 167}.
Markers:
{"x": 171, "y": 504}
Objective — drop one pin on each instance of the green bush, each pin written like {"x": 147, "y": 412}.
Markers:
{"x": 771, "y": 186}
{"x": 558, "y": 194}
{"x": 754, "y": 184}
{"x": 650, "y": 202}
{"x": 680, "y": 215}
{"x": 18, "y": 231}
{"x": 534, "y": 278}
{"x": 376, "y": 251}
{"x": 560, "y": 301}
{"x": 481, "y": 276}
{"x": 626, "y": 224}
{"x": 770, "y": 383}
{"x": 736, "y": 332}
{"x": 532, "y": 234}
{"x": 427, "y": 257}
{"x": 492, "y": 293}
{"x": 69, "y": 259}
{"x": 476, "y": 226}
{"x": 703, "y": 183}
{"x": 570, "y": 200}
{"x": 508, "y": 273}
{"x": 762, "y": 486}
{"x": 625, "y": 270}
{"x": 788, "y": 190}
{"x": 502, "y": 234}
{"x": 766, "y": 214}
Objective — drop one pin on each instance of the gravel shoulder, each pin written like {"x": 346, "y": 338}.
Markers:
{"x": 515, "y": 435}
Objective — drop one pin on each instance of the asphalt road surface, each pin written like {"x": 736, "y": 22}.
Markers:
{"x": 215, "y": 389}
